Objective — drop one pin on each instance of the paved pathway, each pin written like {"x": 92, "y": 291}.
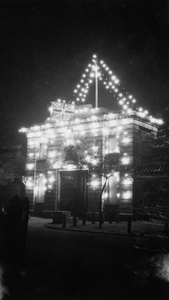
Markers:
{"x": 71, "y": 265}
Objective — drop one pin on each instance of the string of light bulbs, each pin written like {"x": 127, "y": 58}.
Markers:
{"x": 110, "y": 81}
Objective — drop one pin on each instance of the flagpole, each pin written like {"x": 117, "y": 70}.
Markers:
{"x": 96, "y": 83}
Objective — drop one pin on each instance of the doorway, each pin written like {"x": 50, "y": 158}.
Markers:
{"x": 73, "y": 193}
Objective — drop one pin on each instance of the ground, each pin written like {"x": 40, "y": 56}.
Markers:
{"x": 70, "y": 265}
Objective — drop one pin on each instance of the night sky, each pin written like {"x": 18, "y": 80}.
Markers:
{"x": 46, "y": 45}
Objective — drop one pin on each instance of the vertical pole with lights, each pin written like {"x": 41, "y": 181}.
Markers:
{"x": 96, "y": 81}
{"x": 95, "y": 60}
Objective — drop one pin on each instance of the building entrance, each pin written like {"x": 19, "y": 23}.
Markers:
{"x": 73, "y": 194}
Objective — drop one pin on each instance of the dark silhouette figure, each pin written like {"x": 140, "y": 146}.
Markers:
{"x": 14, "y": 228}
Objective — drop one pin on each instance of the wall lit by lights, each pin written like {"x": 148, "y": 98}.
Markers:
{"x": 47, "y": 141}
{"x": 83, "y": 126}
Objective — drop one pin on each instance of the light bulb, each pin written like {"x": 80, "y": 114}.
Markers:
{"x": 116, "y": 81}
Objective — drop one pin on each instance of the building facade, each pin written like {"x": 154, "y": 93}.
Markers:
{"x": 56, "y": 182}
{"x": 152, "y": 174}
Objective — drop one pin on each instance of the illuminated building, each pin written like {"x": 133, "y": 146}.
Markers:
{"x": 56, "y": 182}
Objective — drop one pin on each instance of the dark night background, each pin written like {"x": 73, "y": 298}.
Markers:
{"x": 46, "y": 45}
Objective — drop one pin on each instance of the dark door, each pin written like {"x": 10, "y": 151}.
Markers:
{"x": 73, "y": 192}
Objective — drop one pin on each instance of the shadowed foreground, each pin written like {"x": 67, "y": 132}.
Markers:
{"x": 73, "y": 265}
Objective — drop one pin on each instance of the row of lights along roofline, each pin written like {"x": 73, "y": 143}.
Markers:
{"x": 94, "y": 118}
{"x": 140, "y": 112}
